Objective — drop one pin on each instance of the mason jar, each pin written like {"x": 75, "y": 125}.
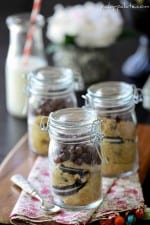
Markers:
{"x": 49, "y": 89}
{"x": 74, "y": 158}
{"x": 114, "y": 103}
{"x": 17, "y": 66}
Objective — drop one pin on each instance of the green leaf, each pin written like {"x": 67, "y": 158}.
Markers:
{"x": 69, "y": 40}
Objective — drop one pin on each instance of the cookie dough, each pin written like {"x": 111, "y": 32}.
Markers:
{"x": 77, "y": 189}
{"x": 118, "y": 158}
{"x": 39, "y": 107}
{"x": 39, "y": 140}
{"x": 75, "y": 175}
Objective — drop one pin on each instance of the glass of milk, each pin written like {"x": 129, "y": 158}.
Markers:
{"x": 15, "y": 68}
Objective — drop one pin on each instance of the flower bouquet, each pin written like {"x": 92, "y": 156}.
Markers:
{"x": 80, "y": 36}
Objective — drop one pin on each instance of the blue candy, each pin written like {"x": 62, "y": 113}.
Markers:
{"x": 130, "y": 219}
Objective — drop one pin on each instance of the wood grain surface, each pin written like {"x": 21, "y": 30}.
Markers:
{"x": 20, "y": 160}
{"x": 144, "y": 151}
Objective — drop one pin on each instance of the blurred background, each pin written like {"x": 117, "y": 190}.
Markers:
{"x": 129, "y": 57}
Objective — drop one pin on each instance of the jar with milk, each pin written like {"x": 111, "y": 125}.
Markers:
{"x": 16, "y": 69}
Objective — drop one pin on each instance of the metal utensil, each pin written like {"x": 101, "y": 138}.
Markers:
{"x": 21, "y": 182}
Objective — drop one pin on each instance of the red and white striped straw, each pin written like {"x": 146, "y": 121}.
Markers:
{"x": 33, "y": 17}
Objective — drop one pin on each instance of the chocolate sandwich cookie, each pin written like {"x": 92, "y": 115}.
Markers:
{"x": 74, "y": 180}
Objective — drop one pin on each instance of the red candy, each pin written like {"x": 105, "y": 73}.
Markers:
{"x": 119, "y": 220}
{"x": 139, "y": 213}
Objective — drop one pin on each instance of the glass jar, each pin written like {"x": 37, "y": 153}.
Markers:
{"x": 49, "y": 89}
{"x": 74, "y": 159}
{"x": 16, "y": 99}
{"x": 114, "y": 103}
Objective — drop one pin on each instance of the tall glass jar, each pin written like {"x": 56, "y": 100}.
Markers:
{"x": 75, "y": 164}
{"x": 115, "y": 106}
{"x": 49, "y": 89}
{"x": 16, "y": 100}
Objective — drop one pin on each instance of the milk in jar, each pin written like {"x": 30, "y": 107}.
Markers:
{"x": 16, "y": 73}
{"x": 17, "y": 65}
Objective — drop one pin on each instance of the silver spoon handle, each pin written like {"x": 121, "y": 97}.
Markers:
{"x": 21, "y": 182}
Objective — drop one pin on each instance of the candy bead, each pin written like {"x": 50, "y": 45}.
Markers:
{"x": 139, "y": 213}
{"x": 119, "y": 220}
{"x": 131, "y": 219}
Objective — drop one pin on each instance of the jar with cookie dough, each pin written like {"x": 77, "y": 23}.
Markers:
{"x": 49, "y": 89}
{"x": 74, "y": 158}
{"x": 114, "y": 103}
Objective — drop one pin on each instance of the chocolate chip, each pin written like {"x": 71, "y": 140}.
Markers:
{"x": 78, "y": 154}
{"x": 45, "y": 106}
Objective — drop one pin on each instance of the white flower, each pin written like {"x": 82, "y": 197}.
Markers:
{"x": 92, "y": 24}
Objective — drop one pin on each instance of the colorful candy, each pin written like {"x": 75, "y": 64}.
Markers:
{"x": 139, "y": 213}
{"x": 130, "y": 219}
{"x": 119, "y": 220}
{"x": 126, "y": 218}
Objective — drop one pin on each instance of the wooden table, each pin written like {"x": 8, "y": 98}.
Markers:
{"x": 21, "y": 160}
